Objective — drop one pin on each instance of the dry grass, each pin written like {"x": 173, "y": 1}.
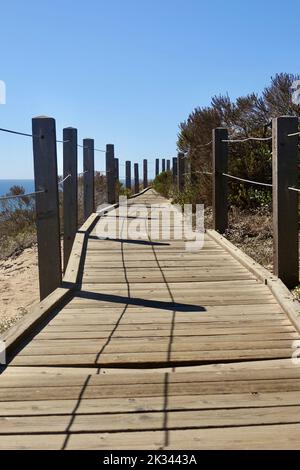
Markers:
{"x": 252, "y": 232}
{"x": 12, "y": 246}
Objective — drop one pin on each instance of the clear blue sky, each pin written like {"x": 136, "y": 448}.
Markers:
{"x": 128, "y": 71}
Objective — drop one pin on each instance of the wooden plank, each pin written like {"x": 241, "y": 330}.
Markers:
{"x": 149, "y": 390}
{"x": 151, "y": 359}
{"x": 150, "y": 421}
{"x": 238, "y": 438}
{"x": 72, "y": 273}
{"x": 62, "y": 377}
{"x": 138, "y": 404}
{"x": 114, "y": 346}
{"x": 38, "y": 313}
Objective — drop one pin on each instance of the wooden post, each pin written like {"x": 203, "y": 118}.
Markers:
{"x": 88, "y": 178}
{"x": 70, "y": 205}
{"x": 157, "y": 167}
{"x": 174, "y": 170}
{"x": 145, "y": 170}
{"x": 168, "y": 165}
{"x": 47, "y": 207}
{"x": 163, "y": 165}
{"x": 136, "y": 178}
{"x": 180, "y": 171}
{"x": 220, "y": 185}
{"x": 285, "y": 201}
{"x": 117, "y": 175}
{"x": 128, "y": 175}
{"x": 110, "y": 174}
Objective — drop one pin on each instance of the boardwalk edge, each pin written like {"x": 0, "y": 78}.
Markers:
{"x": 282, "y": 294}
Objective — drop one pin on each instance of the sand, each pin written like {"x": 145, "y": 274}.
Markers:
{"x": 19, "y": 287}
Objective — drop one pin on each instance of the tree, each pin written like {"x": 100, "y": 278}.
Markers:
{"x": 248, "y": 115}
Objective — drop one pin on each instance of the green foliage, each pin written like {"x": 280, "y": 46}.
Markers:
{"x": 123, "y": 191}
{"x": 17, "y": 222}
{"x": 191, "y": 193}
{"x": 163, "y": 184}
{"x": 247, "y": 115}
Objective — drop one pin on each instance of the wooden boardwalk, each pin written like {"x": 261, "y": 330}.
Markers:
{"x": 160, "y": 348}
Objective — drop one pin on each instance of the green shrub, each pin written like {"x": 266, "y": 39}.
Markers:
{"x": 163, "y": 184}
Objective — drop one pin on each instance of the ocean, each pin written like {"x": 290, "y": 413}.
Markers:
{"x": 5, "y": 185}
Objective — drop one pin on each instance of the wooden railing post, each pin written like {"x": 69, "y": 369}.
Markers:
{"x": 145, "y": 171}
{"x": 168, "y": 165}
{"x": 88, "y": 178}
{"x": 117, "y": 175}
{"x": 136, "y": 178}
{"x": 163, "y": 165}
{"x": 117, "y": 170}
{"x": 180, "y": 171}
{"x": 128, "y": 175}
{"x": 220, "y": 186}
{"x": 174, "y": 170}
{"x": 157, "y": 167}
{"x": 70, "y": 204}
{"x": 285, "y": 201}
{"x": 47, "y": 206}
{"x": 110, "y": 174}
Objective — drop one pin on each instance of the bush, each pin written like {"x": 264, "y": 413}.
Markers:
{"x": 163, "y": 184}
{"x": 17, "y": 222}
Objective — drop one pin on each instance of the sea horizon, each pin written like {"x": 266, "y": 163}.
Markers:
{"x": 6, "y": 184}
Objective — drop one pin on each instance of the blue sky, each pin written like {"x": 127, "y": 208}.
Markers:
{"x": 128, "y": 72}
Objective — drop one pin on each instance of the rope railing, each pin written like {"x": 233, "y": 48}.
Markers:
{"x": 243, "y": 180}
{"x": 294, "y": 189}
{"x": 294, "y": 134}
{"x": 21, "y": 196}
{"x": 65, "y": 179}
{"x": 247, "y": 139}
{"x": 10, "y": 131}
{"x": 91, "y": 148}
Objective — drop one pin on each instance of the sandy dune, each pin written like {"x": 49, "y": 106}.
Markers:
{"x": 19, "y": 286}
